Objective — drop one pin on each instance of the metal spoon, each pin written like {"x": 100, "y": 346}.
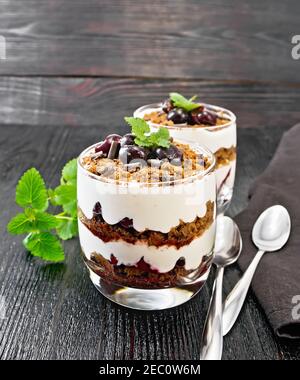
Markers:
{"x": 270, "y": 233}
{"x": 228, "y": 247}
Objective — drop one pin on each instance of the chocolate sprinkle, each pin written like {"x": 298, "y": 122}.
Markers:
{"x": 113, "y": 150}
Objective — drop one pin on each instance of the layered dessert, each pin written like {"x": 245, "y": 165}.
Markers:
{"x": 208, "y": 125}
{"x": 146, "y": 207}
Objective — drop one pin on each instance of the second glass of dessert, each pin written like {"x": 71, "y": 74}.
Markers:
{"x": 205, "y": 124}
{"x": 147, "y": 217}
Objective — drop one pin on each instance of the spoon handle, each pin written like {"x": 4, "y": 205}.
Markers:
{"x": 212, "y": 338}
{"x": 235, "y": 300}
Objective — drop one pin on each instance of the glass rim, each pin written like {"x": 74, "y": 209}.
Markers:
{"x": 212, "y": 107}
{"x": 189, "y": 179}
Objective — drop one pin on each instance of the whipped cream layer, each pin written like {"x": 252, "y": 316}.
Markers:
{"x": 214, "y": 138}
{"x": 163, "y": 258}
{"x": 157, "y": 208}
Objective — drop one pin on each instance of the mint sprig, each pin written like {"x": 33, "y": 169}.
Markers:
{"x": 46, "y": 230}
{"x": 143, "y": 135}
{"x": 181, "y": 102}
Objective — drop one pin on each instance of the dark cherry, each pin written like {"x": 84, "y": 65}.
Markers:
{"x": 105, "y": 145}
{"x": 193, "y": 115}
{"x": 145, "y": 267}
{"x": 113, "y": 137}
{"x": 178, "y": 116}
{"x": 167, "y": 105}
{"x": 132, "y": 152}
{"x": 113, "y": 260}
{"x": 207, "y": 118}
{"x": 181, "y": 262}
{"x": 126, "y": 223}
{"x": 97, "y": 212}
{"x": 127, "y": 139}
{"x": 171, "y": 153}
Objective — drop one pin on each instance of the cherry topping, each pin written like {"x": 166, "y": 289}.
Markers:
{"x": 167, "y": 105}
{"x": 113, "y": 137}
{"x": 170, "y": 153}
{"x": 178, "y": 116}
{"x": 206, "y": 117}
{"x": 106, "y": 144}
{"x": 103, "y": 147}
{"x": 127, "y": 139}
{"x": 132, "y": 152}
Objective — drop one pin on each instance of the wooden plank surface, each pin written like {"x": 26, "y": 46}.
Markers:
{"x": 95, "y": 101}
{"x": 54, "y": 312}
{"x": 162, "y": 38}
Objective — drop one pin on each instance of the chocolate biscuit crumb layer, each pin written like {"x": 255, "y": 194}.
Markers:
{"x": 178, "y": 236}
{"x": 141, "y": 276}
{"x": 224, "y": 156}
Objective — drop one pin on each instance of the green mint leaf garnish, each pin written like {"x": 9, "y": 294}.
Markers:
{"x": 44, "y": 221}
{"x": 162, "y": 137}
{"x": 181, "y": 102}
{"x": 31, "y": 191}
{"x": 139, "y": 127}
{"x": 144, "y": 136}
{"x": 20, "y": 224}
{"x": 31, "y": 221}
{"x": 66, "y": 196}
{"x": 41, "y": 226}
{"x": 45, "y": 245}
{"x": 67, "y": 228}
{"x": 51, "y": 196}
{"x": 69, "y": 172}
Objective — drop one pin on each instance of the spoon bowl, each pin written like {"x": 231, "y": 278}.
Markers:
{"x": 272, "y": 229}
{"x": 270, "y": 233}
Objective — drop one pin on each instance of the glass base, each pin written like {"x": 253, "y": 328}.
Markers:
{"x": 224, "y": 199}
{"x": 147, "y": 299}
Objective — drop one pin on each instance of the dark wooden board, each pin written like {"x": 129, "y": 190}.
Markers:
{"x": 168, "y": 39}
{"x": 54, "y": 312}
{"x": 105, "y": 101}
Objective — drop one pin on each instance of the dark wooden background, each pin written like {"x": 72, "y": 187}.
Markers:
{"x": 73, "y": 70}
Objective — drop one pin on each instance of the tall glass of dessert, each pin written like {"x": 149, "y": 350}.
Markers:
{"x": 147, "y": 219}
{"x": 209, "y": 125}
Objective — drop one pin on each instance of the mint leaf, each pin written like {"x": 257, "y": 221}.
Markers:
{"x": 181, "y": 102}
{"x": 162, "y": 137}
{"x": 43, "y": 221}
{"x": 32, "y": 195}
{"x": 144, "y": 138}
{"x": 146, "y": 143}
{"x": 51, "y": 196}
{"x": 31, "y": 190}
{"x": 31, "y": 221}
{"x": 69, "y": 172}
{"x": 139, "y": 127}
{"x": 67, "y": 228}
{"x": 44, "y": 245}
{"x": 66, "y": 196}
{"x": 20, "y": 224}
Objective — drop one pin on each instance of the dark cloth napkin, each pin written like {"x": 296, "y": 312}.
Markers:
{"x": 276, "y": 283}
